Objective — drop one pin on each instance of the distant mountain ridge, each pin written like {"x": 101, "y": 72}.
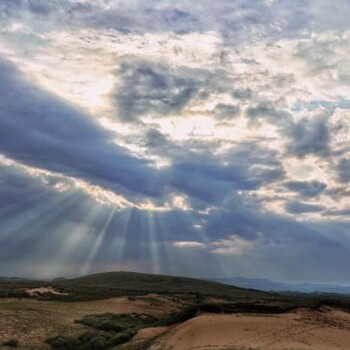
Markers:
{"x": 273, "y": 286}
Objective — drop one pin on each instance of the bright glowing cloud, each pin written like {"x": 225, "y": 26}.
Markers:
{"x": 189, "y": 244}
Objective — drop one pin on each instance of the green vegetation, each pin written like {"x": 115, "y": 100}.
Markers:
{"x": 92, "y": 340}
{"x": 118, "y": 322}
{"x": 108, "y": 330}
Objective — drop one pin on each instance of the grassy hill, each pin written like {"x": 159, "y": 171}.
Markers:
{"x": 111, "y": 284}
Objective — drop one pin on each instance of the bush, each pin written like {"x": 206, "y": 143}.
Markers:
{"x": 124, "y": 337}
{"x": 95, "y": 341}
{"x": 11, "y": 343}
{"x": 179, "y": 317}
{"x": 118, "y": 322}
{"x": 62, "y": 343}
{"x": 91, "y": 340}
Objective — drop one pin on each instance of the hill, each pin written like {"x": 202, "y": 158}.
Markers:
{"x": 111, "y": 284}
{"x": 273, "y": 286}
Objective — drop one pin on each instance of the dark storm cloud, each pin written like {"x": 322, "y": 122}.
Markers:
{"x": 40, "y": 130}
{"x": 245, "y": 167}
{"x": 309, "y": 136}
{"x": 295, "y": 207}
{"x": 155, "y": 89}
{"x": 307, "y": 189}
{"x": 277, "y": 237}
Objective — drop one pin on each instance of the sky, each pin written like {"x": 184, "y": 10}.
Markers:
{"x": 196, "y": 138}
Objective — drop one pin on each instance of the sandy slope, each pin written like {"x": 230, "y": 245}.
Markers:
{"x": 303, "y": 330}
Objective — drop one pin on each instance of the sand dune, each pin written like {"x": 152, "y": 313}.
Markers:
{"x": 302, "y": 330}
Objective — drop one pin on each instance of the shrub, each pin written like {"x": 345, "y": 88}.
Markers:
{"x": 179, "y": 317}
{"x": 124, "y": 337}
{"x": 95, "y": 341}
{"x": 62, "y": 343}
{"x": 11, "y": 343}
{"x": 91, "y": 340}
{"x": 117, "y": 322}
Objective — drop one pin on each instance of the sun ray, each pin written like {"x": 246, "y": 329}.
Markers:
{"x": 40, "y": 216}
{"x": 98, "y": 241}
{"x": 152, "y": 242}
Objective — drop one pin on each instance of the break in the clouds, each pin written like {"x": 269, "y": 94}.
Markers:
{"x": 165, "y": 137}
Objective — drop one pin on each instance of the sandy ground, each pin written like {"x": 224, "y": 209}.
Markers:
{"x": 32, "y": 321}
{"x": 302, "y": 330}
{"x": 42, "y": 290}
{"x": 150, "y": 332}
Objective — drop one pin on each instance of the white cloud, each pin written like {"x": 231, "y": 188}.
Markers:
{"x": 233, "y": 245}
{"x": 185, "y": 244}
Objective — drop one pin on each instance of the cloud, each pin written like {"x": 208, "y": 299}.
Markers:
{"x": 149, "y": 88}
{"x": 308, "y": 189}
{"x": 226, "y": 111}
{"x": 343, "y": 169}
{"x": 40, "y": 130}
{"x": 242, "y": 93}
{"x": 245, "y": 167}
{"x": 266, "y": 111}
{"x": 233, "y": 20}
{"x": 309, "y": 136}
{"x": 187, "y": 244}
{"x": 295, "y": 207}
{"x": 233, "y": 245}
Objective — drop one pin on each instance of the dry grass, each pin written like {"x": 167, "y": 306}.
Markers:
{"x": 32, "y": 321}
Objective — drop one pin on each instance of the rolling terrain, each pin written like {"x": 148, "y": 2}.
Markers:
{"x": 130, "y": 283}
{"x": 133, "y": 311}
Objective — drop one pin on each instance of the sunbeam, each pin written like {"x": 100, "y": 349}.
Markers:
{"x": 153, "y": 242}
{"x": 98, "y": 241}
